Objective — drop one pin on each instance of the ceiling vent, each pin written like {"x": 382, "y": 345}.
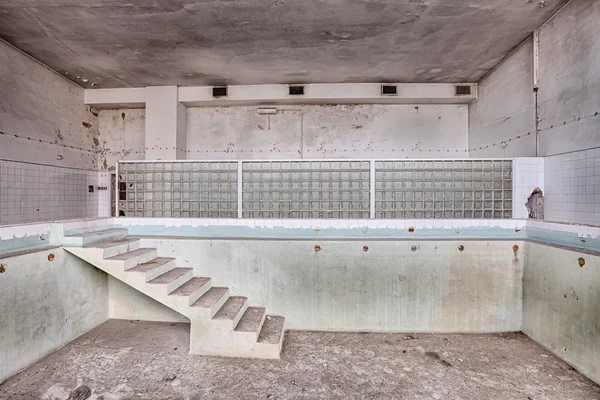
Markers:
{"x": 220, "y": 91}
{"x": 296, "y": 90}
{"x": 389, "y": 90}
{"x": 463, "y": 90}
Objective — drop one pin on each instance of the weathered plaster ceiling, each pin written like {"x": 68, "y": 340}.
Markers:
{"x": 117, "y": 43}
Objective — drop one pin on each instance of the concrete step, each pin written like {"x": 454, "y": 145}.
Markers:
{"x": 212, "y": 300}
{"x": 155, "y": 267}
{"x": 193, "y": 289}
{"x": 271, "y": 336}
{"x": 132, "y": 258}
{"x": 252, "y": 321}
{"x": 272, "y": 330}
{"x": 173, "y": 278}
{"x": 232, "y": 310}
{"x": 113, "y": 248}
{"x": 216, "y": 339}
{"x": 84, "y": 239}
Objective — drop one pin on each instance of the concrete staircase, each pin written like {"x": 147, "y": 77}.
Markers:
{"x": 221, "y": 325}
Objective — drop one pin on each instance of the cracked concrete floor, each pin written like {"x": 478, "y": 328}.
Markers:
{"x": 149, "y": 360}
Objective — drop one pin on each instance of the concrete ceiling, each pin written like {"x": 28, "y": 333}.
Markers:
{"x": 117, "y": 43}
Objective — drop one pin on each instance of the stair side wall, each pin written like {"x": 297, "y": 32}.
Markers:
{"x": 127, "y": 303}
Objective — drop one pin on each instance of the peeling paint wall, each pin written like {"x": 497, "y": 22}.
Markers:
{"x": 46, "y": 113}
{"x": 436, "y": 288}
{"x": 122, "y": 136}
{"x": 64, "y": 298}
{"x": 316, "y": 131}
{"x": 561, "y": 304}
{"x": 505, "y": 109}
{"x": 569, "y": 96}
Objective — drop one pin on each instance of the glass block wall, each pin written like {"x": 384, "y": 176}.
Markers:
{"x": 443, "y": 189}
{"x": 306, "y": 189}
{"x": 178, "y": 189}
{"x": 345, "y": 189}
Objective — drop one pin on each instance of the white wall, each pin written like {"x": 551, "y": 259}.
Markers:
{"x": 45, "y": 305}
{"x": 569, "y": 95}
{"x": 122, "y": 136}
{"x": 38, "y": 104}
{"x": 528, "y": 174}
{"x": 341, "y": 131}
{"x": 505, "y": 109}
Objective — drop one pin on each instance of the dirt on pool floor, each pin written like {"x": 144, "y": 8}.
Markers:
{"x": 149, "y": 360}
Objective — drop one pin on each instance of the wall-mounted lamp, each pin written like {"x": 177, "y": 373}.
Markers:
{"x": 267, "y": 111}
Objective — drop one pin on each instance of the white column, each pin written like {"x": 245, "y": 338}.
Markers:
{"x": 165, "y": 124}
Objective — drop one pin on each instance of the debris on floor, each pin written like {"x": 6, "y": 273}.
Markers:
{"x": 81, "y": 393}
{"x": 126, "y": 360}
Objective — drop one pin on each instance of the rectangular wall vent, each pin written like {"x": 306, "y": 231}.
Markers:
{"x": 296, "y": 90}
{"x": 463, "y": 90}
{"x": 389, "y": 90}
{"x": 219, "y": 91}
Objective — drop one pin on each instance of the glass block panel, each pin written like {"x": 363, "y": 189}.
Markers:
{"x": 306, "y": 189}
{"x": 443, "y": 189}
{"x": 168, "y": 189}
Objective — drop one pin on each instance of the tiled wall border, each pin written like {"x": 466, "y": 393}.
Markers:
{"x": 18, "y": 231}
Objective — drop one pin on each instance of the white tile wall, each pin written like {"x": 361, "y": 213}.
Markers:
{"x": 34, "y": 193}
{"x": 573, "y": 187}
{"x": 12, "y": 232}
{"x": 528, "y": 174}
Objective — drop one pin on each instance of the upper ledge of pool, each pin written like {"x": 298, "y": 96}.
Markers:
{"x": 574, "y": 236}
